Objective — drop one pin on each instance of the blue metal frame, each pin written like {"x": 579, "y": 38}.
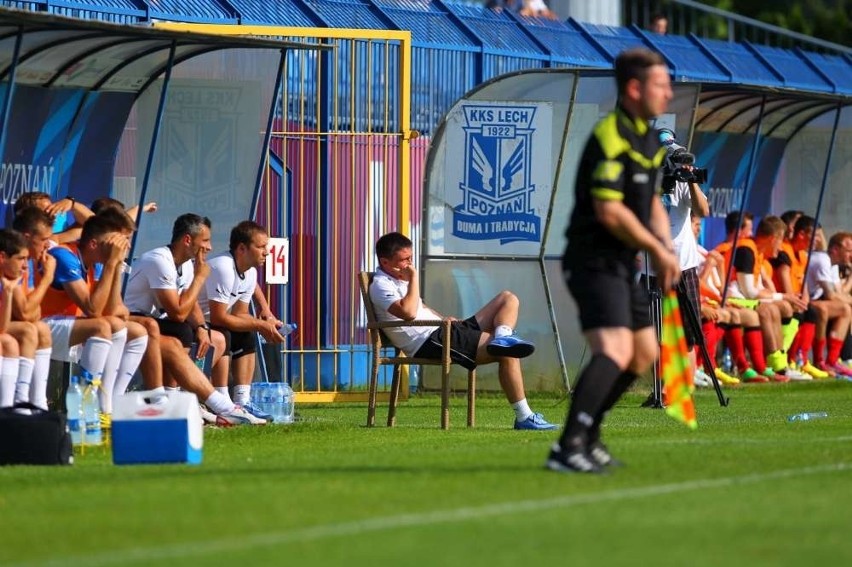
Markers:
{"x": 746, "y": 194}
{"x": 264, "y": 151}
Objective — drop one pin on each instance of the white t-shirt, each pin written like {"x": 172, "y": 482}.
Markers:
{"x": 387, "y": 290}
{"x": 821, "y": 270}
{"x": 225, "y": 285}
{"x": 678, "y": 204}
{"x": 154, "y": 270}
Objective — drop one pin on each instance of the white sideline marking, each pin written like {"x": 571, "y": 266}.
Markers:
{"x": 148, "y": 554}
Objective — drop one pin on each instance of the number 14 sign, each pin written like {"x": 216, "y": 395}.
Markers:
{"x": 278, "y": 261}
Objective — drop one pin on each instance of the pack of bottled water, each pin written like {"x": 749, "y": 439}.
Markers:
{"x": 275, "y": 398}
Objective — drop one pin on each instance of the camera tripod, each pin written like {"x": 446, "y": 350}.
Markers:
{"x": 691, "y": 318}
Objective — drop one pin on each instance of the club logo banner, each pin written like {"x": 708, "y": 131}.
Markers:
{"x": 498, "y": 177}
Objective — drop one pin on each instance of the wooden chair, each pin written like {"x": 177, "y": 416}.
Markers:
{"x": 379, "y": 342}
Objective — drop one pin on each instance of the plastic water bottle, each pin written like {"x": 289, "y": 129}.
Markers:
{"x": 74, "y": 407}
{"x": 284, "y": 330}
{"x": 807, "y": 416}
{"x": 727, "y": 362}
{"x": 91, "y": 411}
{"x": 287, "y": 403}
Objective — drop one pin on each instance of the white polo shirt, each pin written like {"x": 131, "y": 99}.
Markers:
{"x": 387, "y": 290}
{"x": 225, "y": 284}
{"x": 821, "y": 270}
{"x": 154, "y": 270}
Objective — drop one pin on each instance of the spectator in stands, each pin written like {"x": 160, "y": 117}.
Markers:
{"x": 536, "y": 9}
{"x": 35, "y": 226}
{"x": 66, "y": 227}
{"x": 659, "y": 24}
{"x": 823, "y": 280}
{"x": 225, "y": 300}
{"x": 488, "y": 336}
{"x": 500, "y": 5}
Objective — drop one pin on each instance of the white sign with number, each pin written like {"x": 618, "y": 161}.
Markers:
{"x": 278, "y": 261}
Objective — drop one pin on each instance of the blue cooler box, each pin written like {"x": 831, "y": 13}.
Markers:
{"x": 164, "y": 428}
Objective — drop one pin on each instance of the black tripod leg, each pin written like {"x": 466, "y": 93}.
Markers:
{"x": 691, "y": 319}
{"x": 657, "y": 320}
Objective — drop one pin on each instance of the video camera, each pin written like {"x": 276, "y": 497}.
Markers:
{"x": 677, "y": 158}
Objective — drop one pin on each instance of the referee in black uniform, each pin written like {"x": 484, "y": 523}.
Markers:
{"x": 616, "y": 215}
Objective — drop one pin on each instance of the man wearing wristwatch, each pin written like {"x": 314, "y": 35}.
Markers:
{"x": 67, "y": 214}
{"x": 165, "y": 284}
{"x": 225, "y": 303}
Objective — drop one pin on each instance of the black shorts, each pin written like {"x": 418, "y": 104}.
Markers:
{"x": 464, "y": 342}
{"x": 237, "y": 343}
{"x": 688, "y": 292}
{"x": 609, "y": 298}
{"x": 181, "y": 331}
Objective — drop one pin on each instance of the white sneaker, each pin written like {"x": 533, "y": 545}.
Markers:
{"x": 701, "y": 379}
{"x": 794, "y": 374}
{"x": 207, "y": 416}
{"x": 238, "y": 416}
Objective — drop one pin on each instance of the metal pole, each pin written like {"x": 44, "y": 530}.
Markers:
{"x": 261, "y": 167}
{"x": 746, "y": 194}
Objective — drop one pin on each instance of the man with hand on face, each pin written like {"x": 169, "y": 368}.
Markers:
{"x": 488, "y": 336}
{"x": 165, "y": 285}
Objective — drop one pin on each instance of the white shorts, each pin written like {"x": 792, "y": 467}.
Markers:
{"x": 60, "y": 333}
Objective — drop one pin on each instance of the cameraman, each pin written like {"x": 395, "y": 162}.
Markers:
{"x": 681, "y": 197}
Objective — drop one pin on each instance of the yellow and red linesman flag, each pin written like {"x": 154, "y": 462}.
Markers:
{"x": 678, "y": 383}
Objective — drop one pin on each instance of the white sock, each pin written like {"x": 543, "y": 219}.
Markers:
{"x": 503, "y": 331}
{"x": 224, "y": 391}
{"x": 522, "y": 410}
{"x": 116, "y": 352}
{"x": 94, "y": 355}
{"x": 242, "y": 394}
{"x": 25, "y": 378}
{"x": 38, "y": 386}
{"x": 219, "y": 404}
{"x": 170, "y": 389}
{"x": 8, "y": 378}
{"x": 134, "y": 350}
{"x": 160, "y": 390}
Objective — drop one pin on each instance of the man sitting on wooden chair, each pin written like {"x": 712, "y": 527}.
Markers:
{"x": 486, "y": 337}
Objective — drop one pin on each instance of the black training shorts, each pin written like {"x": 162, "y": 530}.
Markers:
{"x": 464, "y": 341}
{"x": 609, "y": 298}
{"x": 237, "y": 343}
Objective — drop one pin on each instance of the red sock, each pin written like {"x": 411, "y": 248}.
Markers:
{"x": 753, "y": 340}
{"x": 711, "y": 339}
{"x": 794, "y": 347}
{"x": 734, "y": 342}
{"x": 819, "y": 351}
{"x": 834, "y": 348}
{"x": 807, "y": 331}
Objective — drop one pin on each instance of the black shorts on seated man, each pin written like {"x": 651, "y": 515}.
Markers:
{"x": 486, "y": 337}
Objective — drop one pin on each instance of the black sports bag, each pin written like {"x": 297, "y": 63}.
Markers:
{"x": 40, "y": 438}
